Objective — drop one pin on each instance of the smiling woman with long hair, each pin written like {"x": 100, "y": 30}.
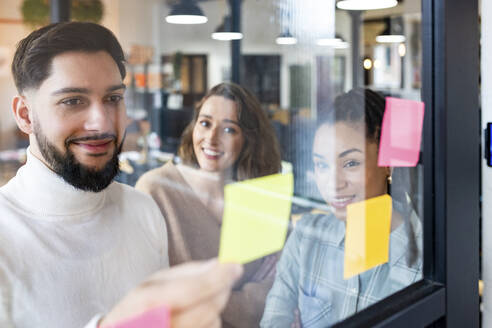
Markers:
{"x": 259, "y": 155}
{"x": 229, "y": 139}
{"x": 309, "y": 288}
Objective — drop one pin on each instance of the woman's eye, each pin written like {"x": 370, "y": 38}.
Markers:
{"x": 321, "y": 165}
{"x": 352, "y": 163}
{"x": 204, "y": 123}
{"x": 229, "y": 130}
{"x": 72, "y": 102}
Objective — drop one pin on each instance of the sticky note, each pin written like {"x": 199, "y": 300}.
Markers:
{"x": 401, "y": 133}
{"x": 367, "y": 234}
{"x": 256, "y": 217}
{"x": 155, "y": 318}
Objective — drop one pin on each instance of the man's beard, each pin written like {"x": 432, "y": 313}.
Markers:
{"x": 72, "y": 171}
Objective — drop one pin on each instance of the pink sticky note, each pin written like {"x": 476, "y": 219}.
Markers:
{"x": 401, "y": 132}
{"x": 155, "y": 318}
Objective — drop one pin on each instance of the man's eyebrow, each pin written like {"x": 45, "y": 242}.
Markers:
{"x": 345, "y": 153}
{"x": 116, "y": 87}
{"x": 85, "y": 90}
{"x": 70, "y": 90}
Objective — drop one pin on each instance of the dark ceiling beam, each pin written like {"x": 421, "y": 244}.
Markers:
{"x": 235, "y": 6}
{"x": 60, "y": 11}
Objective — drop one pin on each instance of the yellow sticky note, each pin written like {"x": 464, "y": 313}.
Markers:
{"x": 256, "y": 217}
{"x": 367, "y": 235}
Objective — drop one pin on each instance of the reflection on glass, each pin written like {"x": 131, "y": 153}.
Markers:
{"x": 229, "y": 139}
{"x": 309, "y": 278}
{"x": 320, "y": 56}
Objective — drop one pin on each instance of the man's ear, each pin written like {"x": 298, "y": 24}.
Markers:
{"x": 22, "y": 114}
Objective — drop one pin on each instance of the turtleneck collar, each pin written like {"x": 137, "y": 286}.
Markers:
{"x": 41, "y": 192}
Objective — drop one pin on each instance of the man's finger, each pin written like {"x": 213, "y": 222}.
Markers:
{"x": 205, "y": 313}
{"x": 189, "y": 269}
{"x": 189, "y": 289}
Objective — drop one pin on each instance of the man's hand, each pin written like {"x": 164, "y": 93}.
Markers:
{"x": 195, "y": 293}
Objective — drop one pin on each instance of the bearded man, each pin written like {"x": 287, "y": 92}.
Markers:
{"x": 73, "y": 243}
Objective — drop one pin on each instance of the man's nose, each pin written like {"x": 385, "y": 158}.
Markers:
{"x": 99, "y": 118}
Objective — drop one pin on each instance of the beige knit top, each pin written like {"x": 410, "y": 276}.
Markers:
{"x": 194, "y": 234}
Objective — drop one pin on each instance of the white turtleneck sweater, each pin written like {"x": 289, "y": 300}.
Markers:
{"x": 67, "y": 255}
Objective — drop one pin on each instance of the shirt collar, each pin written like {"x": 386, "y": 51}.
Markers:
{"x": 41, "y": 192}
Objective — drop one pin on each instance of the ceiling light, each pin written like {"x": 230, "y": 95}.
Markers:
{"x": 286, "y": 38}
{"x": 328, "y": 41}
{"x": 391, "y": 38}
{"x": 227, "y": 36}
{"x": 341, "y": 45}
{"x": 224, "y": 31}
{"x": 366, "y": 4}
{"x": 186, "y": 12}
{"x": 402, "y": 49}
{"x": 336, "y": 42}
{"x": 393, "y": 32}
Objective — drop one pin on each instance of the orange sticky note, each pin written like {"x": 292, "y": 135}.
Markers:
{"x": 401, "y": 133}
{"x": 367, "y": 235}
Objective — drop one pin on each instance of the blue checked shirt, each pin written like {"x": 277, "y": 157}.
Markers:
{"x": 310, "y": 274}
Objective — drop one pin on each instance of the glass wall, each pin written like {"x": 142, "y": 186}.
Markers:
{"x": 312, "y": 100}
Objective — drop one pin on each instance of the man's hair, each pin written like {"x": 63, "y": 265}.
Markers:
{"x": 35, "y": 53}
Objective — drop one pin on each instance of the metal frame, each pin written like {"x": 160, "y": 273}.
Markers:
{"x": 448, "y": 295}
{"x": 60, "y": 11}
{"x": 236, "y": 44}
{"x": 457, "y": 151}
{"x": 357, "y": 71}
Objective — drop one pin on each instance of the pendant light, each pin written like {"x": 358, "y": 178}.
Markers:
{"x": 186, "y": 12}
{"x": 285, "y": 38}
{"x": 337, "y": 42}
{"x": 366, "y": 4}
{"x": 390, "y": 38}
{"x": 224, "y": 31}
{"x": 393, "y": 32}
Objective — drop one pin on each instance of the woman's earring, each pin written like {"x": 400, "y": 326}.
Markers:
{"x": 390, "y": 179}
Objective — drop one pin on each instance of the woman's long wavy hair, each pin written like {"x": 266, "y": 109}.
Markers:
{"x": 260, "y": 154}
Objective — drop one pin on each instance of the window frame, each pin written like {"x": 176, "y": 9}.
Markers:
{"x": 448, "y": 294}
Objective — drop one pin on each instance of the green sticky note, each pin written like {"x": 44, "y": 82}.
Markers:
{"x": 367, "y": 235}
{"x": 256, "y": 217}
